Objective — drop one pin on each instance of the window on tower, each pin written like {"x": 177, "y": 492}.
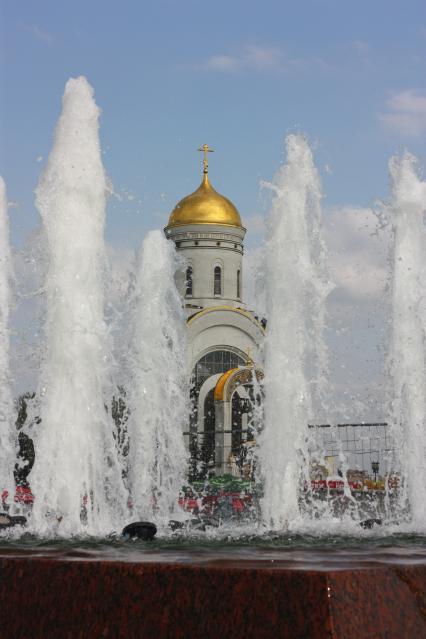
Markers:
{"x": 188, "y": 281}
{"x": 238, "y": 284}
{"x": 217, "y": 280}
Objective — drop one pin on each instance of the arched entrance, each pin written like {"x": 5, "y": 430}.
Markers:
{"x": 202, "y": 434}
{"x": 237, "y": 393}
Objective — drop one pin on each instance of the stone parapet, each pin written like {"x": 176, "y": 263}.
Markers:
{"x": 77, "y": 597}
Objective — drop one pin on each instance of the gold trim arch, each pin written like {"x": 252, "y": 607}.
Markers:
{"x": 229, "y": 382}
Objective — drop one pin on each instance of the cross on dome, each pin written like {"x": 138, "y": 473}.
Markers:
{"x": 206, "y": 149}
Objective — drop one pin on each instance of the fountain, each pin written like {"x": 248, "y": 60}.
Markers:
{"x": 407, "y": 354}
{"x": 157, "y": 458}
{"x": 295, "y": 366}
{"x": 76, "y": 477}
{"x": 98, "y": 468}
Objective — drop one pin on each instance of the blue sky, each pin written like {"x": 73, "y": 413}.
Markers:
{"x": 171, "y": 75}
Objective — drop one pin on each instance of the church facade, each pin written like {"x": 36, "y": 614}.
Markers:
{"x": 224, "y": 338}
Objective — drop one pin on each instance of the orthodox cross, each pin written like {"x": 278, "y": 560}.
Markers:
{"x": 206, "y": 149}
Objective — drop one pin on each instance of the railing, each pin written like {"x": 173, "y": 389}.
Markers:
{"x": 366, "y": 448}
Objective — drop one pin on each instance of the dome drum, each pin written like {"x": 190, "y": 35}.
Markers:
{"x": 201, "y": 234}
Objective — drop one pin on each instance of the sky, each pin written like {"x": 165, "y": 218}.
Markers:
{"x": 238, "y": 75}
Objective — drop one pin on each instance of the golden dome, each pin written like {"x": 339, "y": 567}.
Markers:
{"x": 205, "y": 206}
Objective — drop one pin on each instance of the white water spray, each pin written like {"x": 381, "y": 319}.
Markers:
{"x": 408, "y": 342}
{"x": 75, "y": 479}
{"x": 7, "y": 439}
{"x": 296, "y": 292}
{"x": 158, "y": 388}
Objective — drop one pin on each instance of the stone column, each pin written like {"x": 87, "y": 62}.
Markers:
{"x": 219, "y": 436}
{"x": 223, "y": 437}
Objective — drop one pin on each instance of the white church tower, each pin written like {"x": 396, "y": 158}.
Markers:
{"x": 224, "y": 337}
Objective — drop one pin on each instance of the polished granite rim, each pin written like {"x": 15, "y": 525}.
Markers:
{"x": 319, "y": 559}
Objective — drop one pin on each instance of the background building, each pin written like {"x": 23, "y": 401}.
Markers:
{"x": 224, "y": 337}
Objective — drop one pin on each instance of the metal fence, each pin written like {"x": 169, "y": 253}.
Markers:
{"x": 366, "y": 448}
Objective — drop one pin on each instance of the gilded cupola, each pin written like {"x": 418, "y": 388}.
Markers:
{"x": 205, "y": 205}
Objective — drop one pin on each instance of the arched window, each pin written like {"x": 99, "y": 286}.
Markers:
{"x": 238, "y": 284}
{"x": 213, "y": 363}
{"x": 188, "y": 281}
{"x": 217, "y": 280}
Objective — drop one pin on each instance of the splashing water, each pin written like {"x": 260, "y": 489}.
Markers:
{"x": 76, "y": 481}
{"x": 408, "y": 341}
{"x": 7, "y": 442}
{"x": 158, "y": 387}
{"x": 296, "y": 292}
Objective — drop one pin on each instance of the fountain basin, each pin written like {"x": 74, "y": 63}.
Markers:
{"x": 130, "y": 590}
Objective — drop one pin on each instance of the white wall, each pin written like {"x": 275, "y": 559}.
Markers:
{"x": 207, "y": 246}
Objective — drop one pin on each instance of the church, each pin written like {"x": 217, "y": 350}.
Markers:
{"x": 224, "y": 337}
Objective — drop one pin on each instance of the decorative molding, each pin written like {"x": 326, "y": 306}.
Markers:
{"x": 241, "y": 311}
{"x": 223, "y": 234}
{"x": 208, "y": 236}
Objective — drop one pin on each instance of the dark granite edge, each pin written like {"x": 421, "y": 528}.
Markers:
{"x": 217, "y": 564}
